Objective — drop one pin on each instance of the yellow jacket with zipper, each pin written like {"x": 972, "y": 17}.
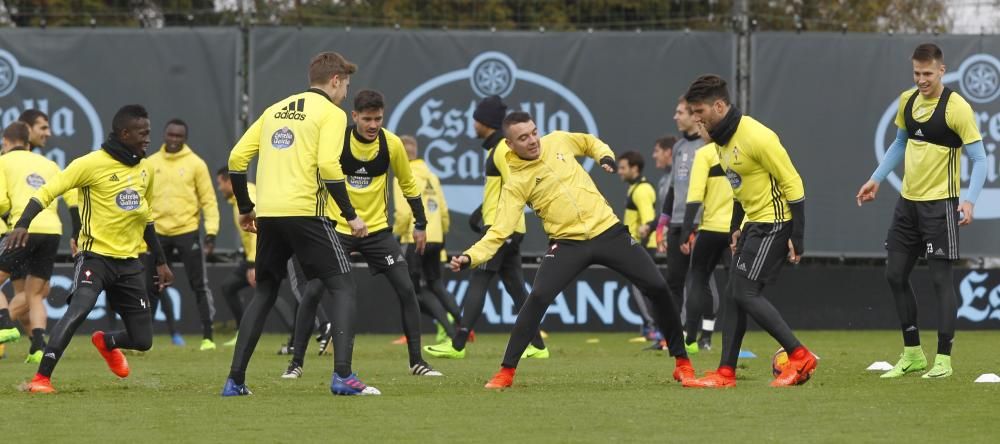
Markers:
{"x": 183, "y": 190}
{"x": 557, "y": 188}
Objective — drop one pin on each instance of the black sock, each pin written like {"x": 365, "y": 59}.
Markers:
{"x": 461, "y": 336}
{"x": 5, "y": 321}
{"x": 944, "y": 343}
{"x": 239, "y": 377}
{"x": 911, "y": 336}
{"x": 37, "y": 339}
{"x": 49, "y": 362}
{"x": 206, "y": 330}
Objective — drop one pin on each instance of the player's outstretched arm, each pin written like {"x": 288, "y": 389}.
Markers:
{"x": 508, "y": 214}
{"x": 889, "y": 162}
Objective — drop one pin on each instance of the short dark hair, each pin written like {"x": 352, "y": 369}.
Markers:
{"x": 707, "y": 88}
{"x": 368, "y": 100}
{"x": 666, "y": 142}
{"x": 17, "y": 132}
{"x": 30, "y": 116}
{"x": 325, "y": 65}
{"x": 633, "y": 158}
{"x": 224, "y": 172}
{"x": 928, "y": 52}
{"x": 127, "y": 114}
{"x": 176, "y": 121}
{"x": 514, "y": 118}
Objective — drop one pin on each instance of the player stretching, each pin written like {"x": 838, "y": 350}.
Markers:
{"x": 298, "y": 142}
{"x": 506, "y": 259}
{"x": 583, "y": 229}
{"x": 769, "y": 193}
{"x": 183, "y": 192}
{"x": 369, "y": 152}
{"x": 115, "y": 183}
{"x": 934, "y": 124}
{"x": 434, "y": 298}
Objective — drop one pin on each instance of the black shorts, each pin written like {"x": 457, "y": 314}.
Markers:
{"x": 508, "y": 255}
{"x": 925, "y": 228}
{"x": 427, "y": 265}
{"x": 122, "y": 280}
{"x": 762, "y": 250}
{"x": 311, "y": 239}
{"x": 379, "y": 249}
{"x": 36, "y": 259}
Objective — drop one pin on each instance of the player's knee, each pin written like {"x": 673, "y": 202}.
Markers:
{"x": 143, "y": 343}
{"x": 895, "y": 276}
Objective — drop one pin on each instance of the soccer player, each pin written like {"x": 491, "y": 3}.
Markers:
{"x": 770, "y": 195}
{"x": 506, "y": 260}
{"x": 183, "y": 191}
{"x": 115, "y": 184}
{"x": 582, "y": 227}
{"x": 24, "y": 172}
{"x": 369, "y": 153}
{"x": 708, "y": 191}
{"x": 934, "y": 124}
{"x": 434, "y": 298}
{"x": 675, "y": 205}
{"x": 640, "y": 211}
{"x": 298, "y": 142}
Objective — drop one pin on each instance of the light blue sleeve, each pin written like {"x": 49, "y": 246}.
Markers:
{"x": 892, "y": 156}
{"x": 977, "y": 154}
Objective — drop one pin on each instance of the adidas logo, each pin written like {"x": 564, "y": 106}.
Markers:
{"x": 742, "y": 266}
{"x": 292, "y": 111}
{"x": 919, "y": 133}
{"x": 538, "y": 180}
{"x": 361, "y": 170}
{"x": 50, "y": 355}
{"x": 114, "y": 178}
{"x": 939, "y": 252}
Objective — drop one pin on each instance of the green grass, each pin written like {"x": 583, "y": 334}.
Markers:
{"x": 610, "y": 391}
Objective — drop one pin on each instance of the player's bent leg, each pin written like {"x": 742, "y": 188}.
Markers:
{"x": 399, "y": 278}
{"x": 941, "y": 276}
{"x": 899, "y": 266}
{"x": 252, "y": 326}
{"x": 512, "y": 276}
{"x": 36, "y": 289}
{"x": 82, "y": 301}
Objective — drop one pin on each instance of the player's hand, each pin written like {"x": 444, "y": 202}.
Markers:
{"x": 735, "y": 239}
{"x": 248, "y": 222}
{"x": 792, "y": 257}
{"x": 688, "y": 247}
{"x": 209, "y": 245}
{"x": 661, "y": 247}
{"x": 420, "y": 240}
{"x": 965, "y": 210}
{"x": 643, "y": 231}
{"x": 459, "y": 262}
{"x": 608, "y": 164}
{"x": 867, "y": 192}
{"x": 17, "y": 238}
{"x": 358, "y": 227}
{"x": 252, "y": 276}
{"x": 166, "y": 276}
{"x": 73, "y": 249}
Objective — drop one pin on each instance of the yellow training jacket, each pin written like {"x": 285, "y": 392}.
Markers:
{"x": 710, "y": 188}
{"x": 435, "y": 206}
{"x": 760, "y": 172}
{"x": 114, "y": 202}
{"x": 183, "y": 191}
{"x": 25, "y": 172}
{"x": 557, "y": 188}
{"x": 248, "y": 239}
{"x": 639, "y": 209}
{"x": 497, "y": 173}
{"x": 297, "y": 142}
{"x": 369, "y": 190}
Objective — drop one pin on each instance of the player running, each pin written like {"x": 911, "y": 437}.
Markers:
{"x": 583, "y": 229}
{"x": 934, "y": 124}
{"x": 115, "y": 184}
{"x": 769, "y": 194}
{"x": 298, "y": 142}
{"x": 369, "y": 153}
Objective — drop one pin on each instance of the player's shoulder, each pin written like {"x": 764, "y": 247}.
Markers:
{"x": 905, "y": 95}
{"x": 557, "y": 135}
{"x": 957, "y": 102}
{"x": 706, "y": 153}
{"x": 392, "y": 139}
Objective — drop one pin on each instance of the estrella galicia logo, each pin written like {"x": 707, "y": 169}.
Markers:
{"x": 35, "y": 181}
{"x": 128, "y": 199}
{"x": 734, "y": 178}
{"x": 440, "y": 109}
{"x": 978, "y": 81}
{"x": 282, "y": 138}
{"x": 359, "y": 182}
{"x": 72, "y": 118}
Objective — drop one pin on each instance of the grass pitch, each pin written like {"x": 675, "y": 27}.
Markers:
{"x": 608, "y": 391}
